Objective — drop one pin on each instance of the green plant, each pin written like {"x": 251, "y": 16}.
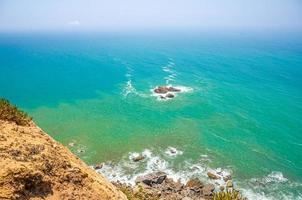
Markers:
{"x": 228, "y": 195}
{"x": 9, "y": 112}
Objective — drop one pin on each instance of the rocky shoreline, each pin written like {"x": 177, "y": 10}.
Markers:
{"x": 160, "y": 185}
{"x": 157, "y": 185}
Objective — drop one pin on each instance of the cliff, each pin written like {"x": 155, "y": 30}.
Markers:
{"x": 34, "y": 166}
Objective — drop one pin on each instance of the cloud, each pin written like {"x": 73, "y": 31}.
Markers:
{"x": 74, "y": 23}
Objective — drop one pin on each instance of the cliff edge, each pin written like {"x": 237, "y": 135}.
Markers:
{"x": 34, "y": 166}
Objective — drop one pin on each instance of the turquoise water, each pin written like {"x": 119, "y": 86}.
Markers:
{"x": 242, "y": 109}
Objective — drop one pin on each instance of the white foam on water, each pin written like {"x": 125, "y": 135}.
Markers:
{"x": 126, "y": 171}
{"x": 173, "y": 152}
{"x": 171, "y": 74}
{"x": 273, "y": 186}
{"x": 273, "y": 177}
{"x": 129, "y": 86}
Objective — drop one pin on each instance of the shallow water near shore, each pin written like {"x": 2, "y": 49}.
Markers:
{"x": 241, "y": 109}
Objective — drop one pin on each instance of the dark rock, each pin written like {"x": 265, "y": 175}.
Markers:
{"x": 226, "y": 178}
{"x": 221, "y": 188}
{"x": 98, "y": 166}
{"x": 170, "y": 96}
{"x": 161, "y": 90}
{"x": 208, "y": 189}
{"x": 138, "y": 158}
{"x": 153, "y": 178}
{"x": 211, "y": 175}
{"x": 165, "y": 89}
{"x": 173, "y": 89}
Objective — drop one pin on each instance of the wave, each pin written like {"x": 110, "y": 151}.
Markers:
{"x": 126, "y": 170}
{"x": 169, "y": 69}
{"x": 273, "y": 186}
{"x": 129, "y": 86}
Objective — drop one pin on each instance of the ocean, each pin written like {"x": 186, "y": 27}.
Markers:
{"x": 240, "y": 109}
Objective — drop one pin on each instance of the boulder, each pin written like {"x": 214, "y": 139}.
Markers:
{"x": 194, "y": 183}
{"x": 153, "y": 178}
{"x": 138, "y": 158}
{"x": 229, "y": 184}
{"x": 170, "y": 185}
{"x": 208, "y": 189}
{"x": 212, "y": 175}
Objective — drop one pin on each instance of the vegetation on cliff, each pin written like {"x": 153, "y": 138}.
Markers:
{"x": 11, "y": 113}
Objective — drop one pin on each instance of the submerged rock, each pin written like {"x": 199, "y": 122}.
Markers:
{"x": 153, "y": 178}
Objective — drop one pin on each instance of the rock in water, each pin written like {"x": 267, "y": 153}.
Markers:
{"x": 165, "y": 89}
{"x": 98, "y": 166}
{"x": 208, "y": 189}
{"x": 138, "y": 158}
{"x": 170, "y": 96}
{"x": 161, "y": 90}
{"x": 173, "y": 89}
{"x": 153, "y": 178}
{"x": 212, "y": 175}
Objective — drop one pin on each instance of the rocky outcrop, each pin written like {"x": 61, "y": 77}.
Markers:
{"x": 165, "y": 89}
{"x": 158, "y": 186}
{"x": 34, "y": 166}
{"x": 138, "y": 158}
{"x": 151, "y": 179}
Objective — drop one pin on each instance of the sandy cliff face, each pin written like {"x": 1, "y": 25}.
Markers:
{"x": 34, "y": 166}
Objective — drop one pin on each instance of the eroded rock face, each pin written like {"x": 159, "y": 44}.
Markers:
{"x": 34, "y": 166}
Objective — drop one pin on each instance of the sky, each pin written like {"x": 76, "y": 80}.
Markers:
{"x": 101, "y": 15}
